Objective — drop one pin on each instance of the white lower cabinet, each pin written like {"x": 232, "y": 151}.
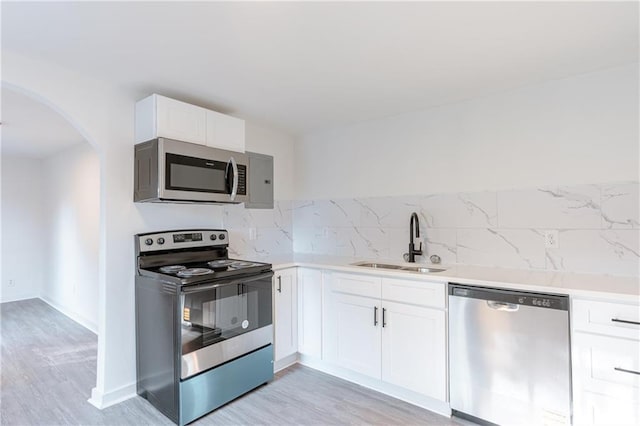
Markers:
{"x": 606, "y": 363}
{"x": 310, "y": 312}
{"x": 401, "y": 344}
{"x": 354, "y": 334}
{"x": 597, "y": 409}
{"x": 285, "y": 315}
{"x": 413, "y": 349}
{"x": 390, "y": 334}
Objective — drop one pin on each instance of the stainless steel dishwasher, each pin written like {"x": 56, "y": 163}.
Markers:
{"x": 509, "y": 356}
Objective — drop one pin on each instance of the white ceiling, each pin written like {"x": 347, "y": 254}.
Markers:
{"x": 303, "y": 66}
{"x": 32, "y": 129}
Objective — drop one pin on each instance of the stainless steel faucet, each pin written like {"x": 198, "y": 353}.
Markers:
{"x": 414, "y": 224}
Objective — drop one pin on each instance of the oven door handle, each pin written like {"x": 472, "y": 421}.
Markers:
{"x": 217, "y": 284}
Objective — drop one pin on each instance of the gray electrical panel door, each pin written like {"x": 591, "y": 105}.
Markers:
{"x": 260, "y": 181}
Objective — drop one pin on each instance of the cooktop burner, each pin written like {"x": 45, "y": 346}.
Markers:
{"x": 192, "y": 272}
{"x": 172, "y": 269}
{"x": 231, "y": 264}
{"x": 241, "y": 264}
{"x": 220, "y": 263}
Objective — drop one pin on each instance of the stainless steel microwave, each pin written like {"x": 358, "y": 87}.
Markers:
{"x": 172, "y": 171}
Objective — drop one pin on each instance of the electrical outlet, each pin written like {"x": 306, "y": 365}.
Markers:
{"x": 12, "y": 283}
{"x": 551, "y": 239}
{"x": 252, "y": 234}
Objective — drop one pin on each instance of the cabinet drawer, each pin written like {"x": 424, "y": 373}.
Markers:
{"x": 607, "y": 365}
{"x": 421, "y": 293}
{"x": 613, "y": 319}
{"x": 359, "y": 285}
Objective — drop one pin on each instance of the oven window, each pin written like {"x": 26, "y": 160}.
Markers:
{"x": 215, "y": 315}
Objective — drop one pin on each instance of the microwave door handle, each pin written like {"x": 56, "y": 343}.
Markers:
{"x": 234, "y": 189}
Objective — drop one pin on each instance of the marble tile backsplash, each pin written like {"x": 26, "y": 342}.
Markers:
{"x": 598, "y": 227}
{"x": 259, "y": 234}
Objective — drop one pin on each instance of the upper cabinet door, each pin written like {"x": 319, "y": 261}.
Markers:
{"x": 224, "y": 131}
{"x": 181, "y": 121}
{"x": 161, "y": 117}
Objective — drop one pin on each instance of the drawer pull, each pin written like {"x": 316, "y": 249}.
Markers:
{"x": 625, "y": 321}
{"x": 623, "y": 370}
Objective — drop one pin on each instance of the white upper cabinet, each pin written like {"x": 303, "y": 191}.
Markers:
{"x": 159, "y": 116}
{"x": 224, "y": 131}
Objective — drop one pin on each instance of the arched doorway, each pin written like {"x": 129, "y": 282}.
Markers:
{"x": 51, "y": 232}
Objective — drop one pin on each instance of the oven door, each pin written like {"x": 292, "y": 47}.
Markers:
{"x": 199, "y": 173}
{"x": 223, "y": 320}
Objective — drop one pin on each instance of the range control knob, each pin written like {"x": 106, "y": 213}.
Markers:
{"x": 148, "y": 241}
{"x": 213, "y": 237}
{"x": 160, "y": 240}
{"x": 222, "y": 236}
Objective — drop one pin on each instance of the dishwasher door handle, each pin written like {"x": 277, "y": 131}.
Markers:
{"x": 502, "y": 306}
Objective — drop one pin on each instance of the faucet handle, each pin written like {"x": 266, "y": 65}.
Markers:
{"x": 420, "y": 248}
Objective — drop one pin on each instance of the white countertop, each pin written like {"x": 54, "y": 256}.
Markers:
{"x": 624, "y": 289}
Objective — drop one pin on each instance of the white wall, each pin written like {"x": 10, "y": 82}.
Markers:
{"x": 22, "y": 228}
{"x": 71, "y": 184}
{"x": 580, "y": 130}
{"x": 265, "y": 140}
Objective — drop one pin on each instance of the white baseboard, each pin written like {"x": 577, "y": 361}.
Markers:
{"x": 103, "y": 400}
{"x": 285, "y": 362}
{"x": 19, "y": 298}
{"x": 75, "y": 317}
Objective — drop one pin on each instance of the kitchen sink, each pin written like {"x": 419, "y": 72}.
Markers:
{"x": 420, "y": 269}
{"x": 377, "y": 265}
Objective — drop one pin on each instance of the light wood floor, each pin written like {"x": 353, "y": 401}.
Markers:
{"x": 48, "y": 369}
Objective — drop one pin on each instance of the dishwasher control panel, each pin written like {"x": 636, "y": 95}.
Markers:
{"x": 512, "y": 297}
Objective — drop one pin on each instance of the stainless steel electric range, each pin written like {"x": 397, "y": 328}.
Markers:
{"x": 204, "y": 322}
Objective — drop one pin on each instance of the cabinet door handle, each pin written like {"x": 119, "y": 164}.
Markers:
{"x": 279, "y": 284}
{"x": 384, "y": 322}
{"x": 625, "y": 321}
{"x": 375, "y": 316}
{"x": 624, "y": 370}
